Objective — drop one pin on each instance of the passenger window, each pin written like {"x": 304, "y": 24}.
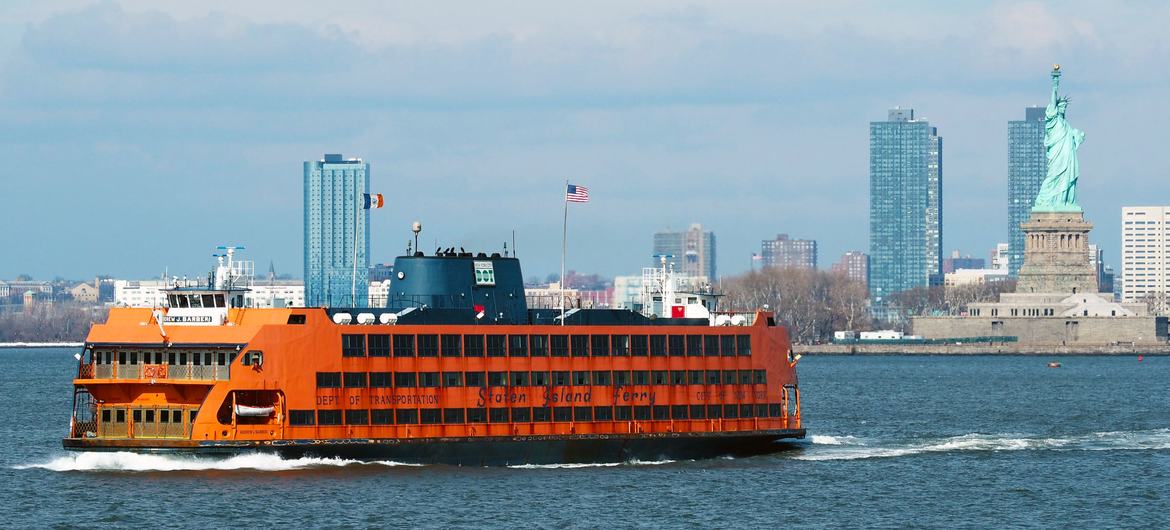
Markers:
{"x": 657, "y": 345}
{"x": 560, "y": 345}
{"x": 404, "y": 345}
{"x": 580, "y": 345}
{"x": 497, "y": 378}
{"x": 711, "y": 345}
{"x": 356, "y": 380}
{"x": 428, "y": 345}
{"x": 474, "y": 379}
{"x": 694, "y": 345}
{"x": 451, "y": 346}
{"x": 473, "y": 345}
{"x": 495, "y": 346}
{"x": 404, "y": 380}
{"x": 452, "y": 379}
{"x": 518, "y": 345}
{"x": 601, "y": 346}
{"x": 601, "y": 377}
{"x": 727, "y": 345}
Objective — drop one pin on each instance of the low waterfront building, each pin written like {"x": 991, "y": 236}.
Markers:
{"x": 974, "y": 277}
{"x": 84, "y": 293}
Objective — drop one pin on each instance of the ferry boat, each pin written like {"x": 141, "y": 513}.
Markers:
{"x": 455, "y": 369}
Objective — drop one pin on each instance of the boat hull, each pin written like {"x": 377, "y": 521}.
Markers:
{"x": 483, "y": 451}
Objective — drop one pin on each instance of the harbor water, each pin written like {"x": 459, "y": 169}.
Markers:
{"x": 894, "y": 441}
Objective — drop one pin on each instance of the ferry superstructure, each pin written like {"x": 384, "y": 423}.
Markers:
{"x": 455, "y": 369}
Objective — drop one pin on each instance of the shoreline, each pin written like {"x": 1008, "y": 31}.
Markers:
{"x": 1033, "y": 350}
{"x": 12, "y": 345}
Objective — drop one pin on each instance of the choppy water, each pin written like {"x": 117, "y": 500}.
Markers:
{"x": 895, "y": 441}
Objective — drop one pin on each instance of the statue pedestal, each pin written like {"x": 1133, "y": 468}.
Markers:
{"x": 1056, "y": 254}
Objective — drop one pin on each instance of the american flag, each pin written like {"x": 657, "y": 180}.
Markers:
{"x": 577, "y": 193}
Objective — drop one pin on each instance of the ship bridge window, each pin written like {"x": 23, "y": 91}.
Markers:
{"x": 379, "y": 345}
{"x": 353, "y": 345}
{"x": 328, "y": 379}
{"x": 208, "y": 300}
{"x": 518, "y": 345}
{"x": 600, "y": 346}
{"x": 404, "y": 345}
{"x": 657, "y": 345}
{"x": 301, "y": 417}
{"x": 539, "y": 345}
{"x": 678, "y": 346}
{"x": 727, "y": 345}
{"x": 180, "y": 301}
{"x": 428, "y": 345}
{"x": 193, "y": 301}
{"x": 292, "y": 319}
{"x": 450, "y": 346}
{"x": 559, "y": 345}
{"x": 744, "y": 344}
{"x": 495, "y": 346}
{"x": 694, "y": 345}
{"x": 219, "y": 301}
{"x": 711, "y": 345}
{"x": 580, "y": 345}
{"x": 473, "y": 345}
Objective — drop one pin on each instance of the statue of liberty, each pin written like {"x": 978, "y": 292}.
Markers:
{"x": 1058, "y": 192}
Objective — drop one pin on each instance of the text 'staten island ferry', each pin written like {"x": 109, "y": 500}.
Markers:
{"x": 456, "y": 369}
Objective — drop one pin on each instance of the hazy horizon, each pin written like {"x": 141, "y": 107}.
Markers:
{"x": 142, "y": 134}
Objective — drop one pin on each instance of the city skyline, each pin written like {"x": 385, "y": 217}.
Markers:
{"x": 138, "y": 104}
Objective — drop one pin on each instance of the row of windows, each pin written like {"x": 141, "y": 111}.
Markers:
{"x": 196, "y": 358}
{"x": 118, "y": 415}
{"x": 554, "y": 378}
{"x": 533, "y": 414}
{"x": 433, "y": 345}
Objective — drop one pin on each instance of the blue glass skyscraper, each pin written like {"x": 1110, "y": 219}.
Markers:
{"x": 905, "y": 205}
{"x": 334, "y": 220}
{"x": 1027, "y": 167}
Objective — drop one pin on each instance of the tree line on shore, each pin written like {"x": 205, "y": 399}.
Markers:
{"x": 56, "y": 322}
{"x": 813, "y": 303}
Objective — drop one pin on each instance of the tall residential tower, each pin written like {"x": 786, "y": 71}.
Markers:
{"x": 693, "y": 251}
{"x": 1145, "y": 256}
{"x": 334, "y": 220}
{"x": 905, "y": 204}
{"x": 785, "y": 252}
{"x": 1027, "y": 167}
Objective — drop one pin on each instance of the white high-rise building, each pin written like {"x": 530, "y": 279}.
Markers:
{"x": 1145, "y": 256}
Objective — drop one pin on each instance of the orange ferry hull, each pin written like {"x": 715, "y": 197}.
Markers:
{"x": 491, "y": 451}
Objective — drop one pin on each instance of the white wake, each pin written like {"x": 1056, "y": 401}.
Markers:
{"x": 848, "y": 448}
{"x": 126, "y": 461}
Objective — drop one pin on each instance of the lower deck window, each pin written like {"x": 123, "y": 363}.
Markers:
{"x": 562, "y": 413}
{"x": 603, "y": 413}
{"x": 522, "y": 415}
{"x": 678, "y": 412}
{"x": 357, "y": 417}
{"x": 698, "y": 412}
{"x": 498, "y": 415}
{"x": 382, "y": 416}
{"x": 406, "y": 416}
{"x": 328, "y": 417}
{"x": 295, "y": 417}
{"x": 477, "y": 415}
{"x": 623, "y": 413}
{"x": 452, "y": 415}
{"x": 541, "y": 414}
{"x": 582, "y": 413}
{"x": 430, "y": 416}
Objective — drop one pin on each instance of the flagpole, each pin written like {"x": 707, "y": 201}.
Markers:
{"x": 564, "y": 245}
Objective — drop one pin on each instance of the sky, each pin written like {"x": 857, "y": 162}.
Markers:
{"x": 138, "y": 135}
